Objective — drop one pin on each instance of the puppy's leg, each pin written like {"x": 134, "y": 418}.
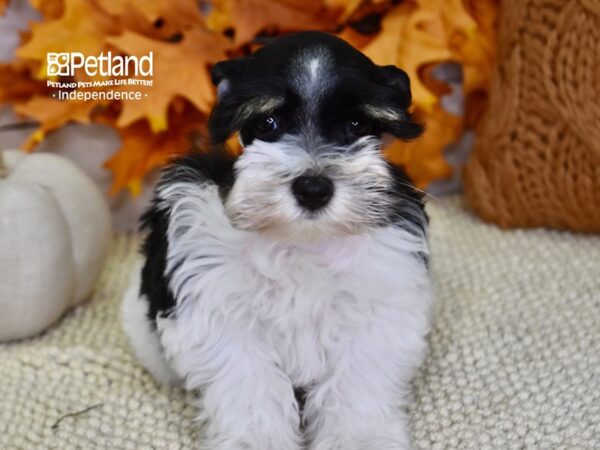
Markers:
{"x": 246, "y": 401}
{"x": 142, "y": 334}
{"x": 360, "y": 405}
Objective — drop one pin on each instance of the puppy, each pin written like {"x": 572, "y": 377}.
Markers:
{"x": 299, "y": 266}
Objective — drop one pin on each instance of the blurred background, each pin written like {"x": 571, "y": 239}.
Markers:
{"x": 447, "y": 47}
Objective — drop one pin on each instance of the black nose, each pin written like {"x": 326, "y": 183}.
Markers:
{"x": 312, "y": 192}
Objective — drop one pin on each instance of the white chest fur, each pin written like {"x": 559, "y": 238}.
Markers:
{"x": 303, "y": 304}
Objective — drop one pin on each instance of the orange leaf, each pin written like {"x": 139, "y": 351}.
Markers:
{"x": 3, "y": 6}
{"x": 354, "y": 38}
{"x": 180, "y": 69}
{"x": 52, "y": 114}
{"x": 423, "y": 159}
{"x": 17, "y": 84}
{"x": 143, "y": 151}
{"x": 410, "y": 38}
{"x": 163, "y": 19}
{"x": 352, "y": 11}
{"x": 250, "y": 17}
{"x": 476, "y": 49}
{"x": 82, "y": 28}
{"x": 180, "y": 14}
{"x": 347, "y": 7}
{"x": 233, "y": 144}
{"x": 50, "y": 9}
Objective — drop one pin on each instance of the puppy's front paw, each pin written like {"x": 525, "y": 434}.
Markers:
{"x": 252, "y": 442}
{"x": 386, "y": 437}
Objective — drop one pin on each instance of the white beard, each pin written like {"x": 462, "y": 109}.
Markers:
{"x": 261, "y": 198}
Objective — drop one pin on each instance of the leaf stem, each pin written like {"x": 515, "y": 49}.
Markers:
{"x": 74, "y": 414}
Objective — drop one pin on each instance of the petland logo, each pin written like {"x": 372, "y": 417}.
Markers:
{"x": 105, "y": 65}
{"x": 112, "y": 77}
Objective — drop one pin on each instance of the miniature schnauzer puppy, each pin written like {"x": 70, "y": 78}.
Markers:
{"x": 289, "y": 285}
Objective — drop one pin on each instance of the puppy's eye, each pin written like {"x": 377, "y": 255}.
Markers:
{"x": 265, "y": 124}
{"x": 358, "y": 127}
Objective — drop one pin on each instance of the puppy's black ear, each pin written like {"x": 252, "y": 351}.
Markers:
{"x": 224, "y": 75}
{"x": 225, "y": 72}
{"x": 398, "y": 79}
{"x": 391, "y": 103}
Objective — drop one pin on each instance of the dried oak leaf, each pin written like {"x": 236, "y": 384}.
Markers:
{"x": 423, "y": 158}
{"x": 346, "y": 7}
{"x": 143, "y": 151}
{"x": 477, "y": 52}
{"x": 82, "y": 28}
{"x": 50, "y": 9}
{"x": 180, "y": 69}
{"x": 161, "y": 19}
{"x": 52, "y": 114}
{"x": 181, "y": 14}
{"x": 3, "y": 6}
{"x": 410, "y": 38}
{"x": 17, "y": 84}
{"x": 354, "y": 38}
{"x": 248, "y": 18}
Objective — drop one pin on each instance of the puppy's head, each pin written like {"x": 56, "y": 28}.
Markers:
{"x": 310, "y": 111}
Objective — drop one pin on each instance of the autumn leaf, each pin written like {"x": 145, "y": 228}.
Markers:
{"x": 410, "y": 38}
{"x": 50, "y": 9}
{"x": 354, "y": 38}
{"x": 160, "y": 19}
{"x": 250, "y": 17}
{"x": 52, "y": 114}
{"x": 17, "y": 83}
{"x": 181, "y": 14}
{"x": 82, "y": 28}
{"x": 347, "y": 7}
{"x": 477, "y": 50}
{"x": 233, "y": 145}
{"x": 143, "y": 150}
{"x": 180, "y": 69}
{"x": 454, "y": 15}
{"x": 423, "y": 159}
{"x": 3, "y": 6}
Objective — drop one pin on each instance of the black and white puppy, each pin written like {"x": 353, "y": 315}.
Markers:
{"x": 300, "y": 265}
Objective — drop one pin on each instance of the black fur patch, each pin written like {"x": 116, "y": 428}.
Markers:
{"x": 409, "y": 211}
{"x": 215, "y": 166}
{"x": 408, "y": 198}
{"x": 154, "y": 280}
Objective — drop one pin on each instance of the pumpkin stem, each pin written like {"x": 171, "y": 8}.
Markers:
{"x": 3, "y": 168}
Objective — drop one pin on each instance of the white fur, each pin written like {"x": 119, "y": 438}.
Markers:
{"x": 311, "y": 72}
{"x": 343, "y": 317}
{"x": 264, "y": 174}
{"x": 313, "y": 67}
{"x": 144, "y": 340}
{"x": 260, "y": 105}
{"x": 382, "y": 113}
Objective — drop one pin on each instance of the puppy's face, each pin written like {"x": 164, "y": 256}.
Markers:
{"x": 310, "y": 112}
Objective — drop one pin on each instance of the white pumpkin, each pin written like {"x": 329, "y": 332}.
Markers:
{"x": 54, "y": 235}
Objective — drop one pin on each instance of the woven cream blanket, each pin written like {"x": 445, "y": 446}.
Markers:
{"x": 514, "y": 363}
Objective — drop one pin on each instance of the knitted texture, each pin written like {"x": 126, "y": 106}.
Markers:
{"x": 514, "y": 362}
{"x": 536, "y": 161}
